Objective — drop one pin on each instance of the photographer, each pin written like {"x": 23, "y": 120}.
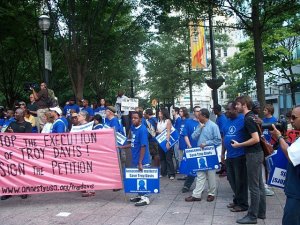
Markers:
{"x": 292, "y": 206}
{"x": 41, "y": 99}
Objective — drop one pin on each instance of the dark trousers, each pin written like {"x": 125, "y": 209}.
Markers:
{"x": 256, "y": 185}
{"x": 126, "y": 123}
{"x": 189, "y": 181}
{"x": 166, "y": 162}
{"x": 291, "y": 213}
{"x": 237, "y": 178}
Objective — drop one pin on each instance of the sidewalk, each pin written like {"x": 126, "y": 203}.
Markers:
{"x": 109, "y": 207}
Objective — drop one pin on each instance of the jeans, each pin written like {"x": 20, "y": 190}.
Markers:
{"x": 254, "y": 162}
{"x": 166, "y": 162}
{"x": 237, "y": 178}
{"x": 291, "y": 212}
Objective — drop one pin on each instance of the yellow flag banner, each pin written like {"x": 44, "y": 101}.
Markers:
{"x": 198, "y": 50}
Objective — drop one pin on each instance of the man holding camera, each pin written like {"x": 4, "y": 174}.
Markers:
{"x": 41, "y": 99}
{"x": 292, "y": 183}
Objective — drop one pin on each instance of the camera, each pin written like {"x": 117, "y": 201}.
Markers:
{"x": 268, "y": 126}
{"x": 28, "y": 86}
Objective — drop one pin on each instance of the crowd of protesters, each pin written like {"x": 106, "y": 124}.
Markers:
{"x": 236, "y": 131}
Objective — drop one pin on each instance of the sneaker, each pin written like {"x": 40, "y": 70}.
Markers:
{"x": 172, "y": 178}
{"x": 144, "y": 201}
{"x": 269, "y": 192}
{"x": 4, "y": 197}
{"x": 135, "y": 199}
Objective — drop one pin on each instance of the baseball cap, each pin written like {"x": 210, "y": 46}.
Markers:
{"x": 57, "y": 110}
{"x": 111, "y": 108}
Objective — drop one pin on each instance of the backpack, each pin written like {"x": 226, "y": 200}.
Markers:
{"x": 151, "y": 129}
{"x": 52, "y": 100}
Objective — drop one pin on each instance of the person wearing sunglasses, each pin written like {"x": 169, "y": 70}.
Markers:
{"x": 292, "y": 183}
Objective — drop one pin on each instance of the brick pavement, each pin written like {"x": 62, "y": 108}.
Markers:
{"x": 109, "y": 207}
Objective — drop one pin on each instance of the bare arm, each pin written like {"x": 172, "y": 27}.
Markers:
{"x": 252, "y": 141}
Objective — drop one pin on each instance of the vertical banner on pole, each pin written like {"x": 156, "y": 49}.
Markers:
{"x": 198, "y": 50}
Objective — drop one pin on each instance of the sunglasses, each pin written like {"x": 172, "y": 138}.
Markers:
{"x": 293, "y": 117}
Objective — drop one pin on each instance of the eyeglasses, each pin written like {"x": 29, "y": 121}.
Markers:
{"x": 293, "y": 117}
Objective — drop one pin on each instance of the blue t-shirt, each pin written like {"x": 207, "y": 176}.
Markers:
{"x": 177, "y": 124}
{"x": 266, "y": 132}
{"x": 114, "y": 122}
{"x": 100, "y": 110}
{"x": 139, "y": 139}
{"x": 89, "y": 110}
{"x": 189, "y": 128}
{"x": 233, "y": 129}
{"x": 182, "y": 144}
{"x": 59, "y": 126}
{"x": 221, "y": 120}
{"x": 6, "y": 123}
{"x": 68, "y": 108}
{"x": 2, "y": 122}
{"x": 66, "y": 122}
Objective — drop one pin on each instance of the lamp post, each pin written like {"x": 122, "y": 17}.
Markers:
{"x": 44, "y": 25}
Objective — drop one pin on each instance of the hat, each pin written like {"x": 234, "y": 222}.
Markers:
{"x": 22, "y": 103}
{"x": 111, "y": 108}
{"x": 255, "y": 105}
{"x": 217, "y": 107}
{"x": 57, "y": 110}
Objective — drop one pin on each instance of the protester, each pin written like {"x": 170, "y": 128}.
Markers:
{"x": 18, "y": 126}
{"x": 233, "y": 129}
{"x": 48, "y": 125}
{"x": 166, "y": 158}
{"x": 69, "y": 107}
{"x": 32, "y": 106}
{"x": 124, "y": 115}
{"x": 9, "y": 118}
{"x": 151, "y": 124}
{"x": 29, "y": 118}
{"x": 97, "y": 122}
{"x": 188, "y": 130}
{"x": 60, "y": 124}
{"x": 207, "y": 133}
{"x": 220, "y": 121}
{"x": 101, "y": 109}
{"x": 254, "y": 162}
{"x": 140, "y": 152}
{"x": 87, "y": 108}
{"x": 292, "y": 183}
{"x": 74, "y": 119}
{"x": 42, "y": 100}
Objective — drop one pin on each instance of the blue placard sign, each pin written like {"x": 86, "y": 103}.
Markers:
{"x": 201, "y": 159}
{"x": 277, "y": 168}
{"x": 146, "y": 181}
{"x": 162, "y": 138}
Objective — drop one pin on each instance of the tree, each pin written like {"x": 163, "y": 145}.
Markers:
{"x": 257, "y": 18}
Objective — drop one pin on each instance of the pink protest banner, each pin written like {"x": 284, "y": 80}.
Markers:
{"x": 45, "y": 163}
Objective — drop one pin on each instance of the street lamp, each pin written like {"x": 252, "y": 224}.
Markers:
{"x": 44, "y": 24}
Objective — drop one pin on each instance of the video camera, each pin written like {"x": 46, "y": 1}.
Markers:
{"x": 28, "y": 86}
{"x": 268, "y": 126}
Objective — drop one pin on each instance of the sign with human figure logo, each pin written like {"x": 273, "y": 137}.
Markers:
{"x": 201, "y": 159}
{"x": 143, "y": 182}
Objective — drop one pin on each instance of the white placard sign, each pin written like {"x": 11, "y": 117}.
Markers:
{"x": 84, "y": 127}
{"x": 129, "y": 104}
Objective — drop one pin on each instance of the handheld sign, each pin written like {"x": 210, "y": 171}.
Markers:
{"x": 146, "y": 181}
{"x": 84, "y": 127}
{"x": 277, "y": 168}
{"x": 121, "y": 139}
{"x": 183, "y": 168}
{"x": 202, "y": 159}
{"x": 162, "y": 138}
{"x": 129, "y": 104}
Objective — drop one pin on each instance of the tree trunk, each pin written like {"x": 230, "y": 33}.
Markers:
{"x": 259, "y": 66}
